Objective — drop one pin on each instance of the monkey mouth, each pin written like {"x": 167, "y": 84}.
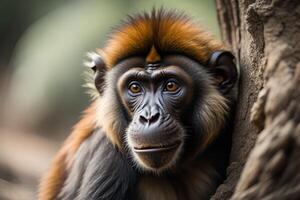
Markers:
{"x": 157, "y": 157}
{"x": 158, "y": 148}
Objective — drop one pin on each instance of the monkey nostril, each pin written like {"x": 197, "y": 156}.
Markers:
{"x": 143, "y": 119}
{"x": 151, "y": 119}
{"x": 154, "y": 118}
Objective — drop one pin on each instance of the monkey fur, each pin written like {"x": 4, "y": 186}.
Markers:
{"x": 136, "y": 143}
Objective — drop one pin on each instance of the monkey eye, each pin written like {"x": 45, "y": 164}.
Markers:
{"x": 171, "y": 86}
{"x": 135, "y": 88}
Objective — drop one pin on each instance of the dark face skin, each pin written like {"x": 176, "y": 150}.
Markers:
{"x": 154, "y": 100}
{"x": 169, "y": 111}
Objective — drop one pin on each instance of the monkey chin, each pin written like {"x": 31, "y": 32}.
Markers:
{"x": 157, "y": 159}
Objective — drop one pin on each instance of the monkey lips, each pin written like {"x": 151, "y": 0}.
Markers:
{"x": 157, "y": 157}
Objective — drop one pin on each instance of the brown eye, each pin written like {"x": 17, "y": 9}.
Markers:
{"x": 135, "y": 88}
{"x": 171, "y": 86}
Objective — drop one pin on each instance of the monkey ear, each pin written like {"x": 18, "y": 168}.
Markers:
{"x": 224, "y": 70}
{"x": 98, "y": 65}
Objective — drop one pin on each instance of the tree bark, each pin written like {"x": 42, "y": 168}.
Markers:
{"x": 265, "y": 37}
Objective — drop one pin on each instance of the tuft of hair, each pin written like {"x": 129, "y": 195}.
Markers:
{"x": 90, "y": 85}
{"x": 89, "y": 75}
{"x": 169, "y": 31}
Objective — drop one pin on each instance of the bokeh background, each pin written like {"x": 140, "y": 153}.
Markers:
{"x": 42, "y": 48}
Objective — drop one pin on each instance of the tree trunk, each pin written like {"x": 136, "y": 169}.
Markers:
{"x": 265, "y": 37}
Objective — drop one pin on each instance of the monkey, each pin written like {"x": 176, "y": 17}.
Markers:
{"x": 160, "y": 124}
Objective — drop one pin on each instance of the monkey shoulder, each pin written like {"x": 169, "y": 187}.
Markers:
{"x": 99, "y": 171}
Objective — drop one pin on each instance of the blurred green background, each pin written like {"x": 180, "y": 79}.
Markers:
{"x": 42, "y": 48}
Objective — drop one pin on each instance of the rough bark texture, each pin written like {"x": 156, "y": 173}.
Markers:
{"x": 265, "y": 37}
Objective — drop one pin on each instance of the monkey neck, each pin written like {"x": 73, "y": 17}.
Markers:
{"x": 195, "y": 181}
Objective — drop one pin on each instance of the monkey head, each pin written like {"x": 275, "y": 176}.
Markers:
{"x": 164, "y": 88}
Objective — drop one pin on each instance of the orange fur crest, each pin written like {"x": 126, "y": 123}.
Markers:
{"x": 168, "y": 32}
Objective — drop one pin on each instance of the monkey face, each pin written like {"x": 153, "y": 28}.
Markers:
{"x": 167, "y": 113}
{"x": 154, "y": 100}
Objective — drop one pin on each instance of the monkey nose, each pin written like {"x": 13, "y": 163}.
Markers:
{"x": 149, "y": 119}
